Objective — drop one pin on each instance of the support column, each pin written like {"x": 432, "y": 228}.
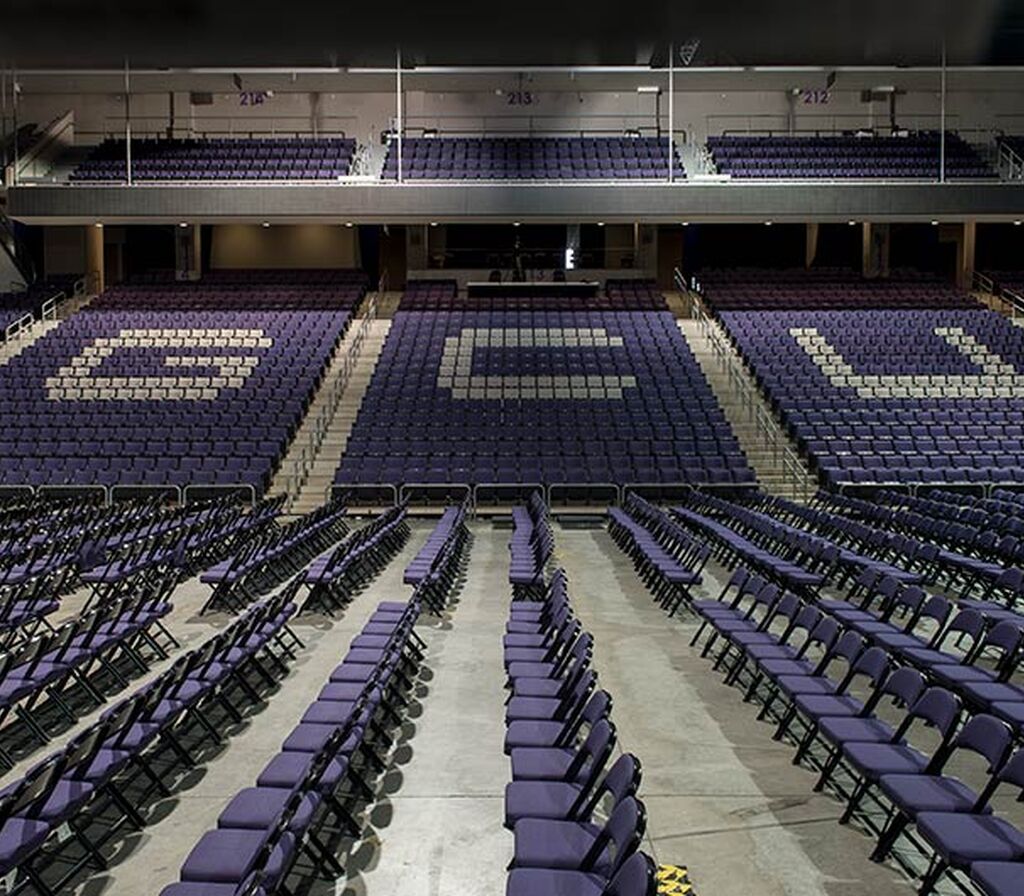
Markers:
{"x": 962, "y": 236}
{"x": 417, "y": 243}
{"x": 811, "y": 244}
{"x": 875, "y": 250}
{"x": 965, "y": 256}
{"x": 866, "y": 261}
{"x": 94, "y": 266}
{"x": 188, "y": 253}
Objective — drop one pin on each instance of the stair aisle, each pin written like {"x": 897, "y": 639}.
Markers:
{"x": 312, "y": 488}
{"x": 773, "y": 457}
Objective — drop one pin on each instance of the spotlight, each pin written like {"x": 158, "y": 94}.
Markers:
{"x": 265, "y": 224}
{"x": 183, "y": 224}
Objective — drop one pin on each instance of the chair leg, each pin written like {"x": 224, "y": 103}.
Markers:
{"x": 935, "y": 871}
{"x": 854, "y": 801}
{"x": 890, "y": 834}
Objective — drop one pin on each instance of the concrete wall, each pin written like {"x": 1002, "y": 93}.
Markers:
{"x": 284, "y": 246}
{"x": 64, "y": 250}
{"x": 750, "y": 102}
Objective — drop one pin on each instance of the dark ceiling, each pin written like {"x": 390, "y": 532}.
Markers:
{"x": 178, "y": 33}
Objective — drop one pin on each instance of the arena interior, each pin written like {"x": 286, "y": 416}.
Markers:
{"x": 569, "y": 450}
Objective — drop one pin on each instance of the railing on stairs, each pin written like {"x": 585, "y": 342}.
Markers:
{"x": 1012, "y": 303}
{"x": 1009, "y": 164}
{"x": 796, "y": 479}
{"x": 301, "y": 465}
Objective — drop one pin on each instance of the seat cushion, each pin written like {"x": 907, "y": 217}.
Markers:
{"x": 257, "y": 808}
{"x": 227, "y": 855}
{"x": 540, "y": 843}
{"x": 20, "y": 837}
{"x": 963, "y": 839}
{"x": 553, "y": 882}
{"x": 998, "y": 878}
{"x": 927, "y": 793}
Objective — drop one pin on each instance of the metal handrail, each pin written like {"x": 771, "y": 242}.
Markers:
{"x": 1013, "y": 302}
{"x": 767, "y": 427}
{"x": 1010, "y": 164}
{"x": 302, "y": 465}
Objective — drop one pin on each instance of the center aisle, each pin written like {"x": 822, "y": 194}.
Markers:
{"x": 154, "y": 858}
{"x": 721, "y": 797}
{"x": 445, "y": 835}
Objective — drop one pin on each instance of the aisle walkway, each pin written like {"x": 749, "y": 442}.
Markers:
{"x": 721, "y": 796}
{"x": 444, "y": 836}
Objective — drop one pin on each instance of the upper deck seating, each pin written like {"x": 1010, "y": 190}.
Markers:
{"x": 531, "y": 158}
{"x": 915, "y": 156}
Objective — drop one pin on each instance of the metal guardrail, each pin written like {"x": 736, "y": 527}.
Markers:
{"x": 301, "y": 465}
{"x": 47, "y": 311}
{"x": 205, "y": 490}
{"x": 1012, "y": 302}
{"x": 1009, "y": 164}
{"x": 795, "y": 476}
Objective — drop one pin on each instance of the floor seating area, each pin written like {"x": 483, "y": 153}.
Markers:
{"x": 220, "y": 158}
{"x": 882, "y": 396}
{"x": 574, "y": 812}
{"x": 531, "y": 158}
{"x": 60, "y": 815}
{"x": 542, "y": 397}
{"x": 171, "y": 385}
{"x": 949, "y": 669}
{"x": 915, "y": 156}
{"x": 310, "y": 793}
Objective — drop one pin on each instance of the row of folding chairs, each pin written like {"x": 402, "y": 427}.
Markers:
{"x": 530, "y": 548}
{"x": 805, "y": 570}
{"x": 311, "y": 792}
{"x": 437, "y": 565}
{"x": 755, "y": 517}
{"x": 277, "y": 554}
{"x": 61, "y": 817}
{"x": 46, "y": 676}
{"x": 957, "y": 566}
{"x": 334, "y": 578}
{"x": 806, "y": 666}
{"x": 576, "y": 820}
{"x": 897, "y": 554}
{"x": 666, "y": 557}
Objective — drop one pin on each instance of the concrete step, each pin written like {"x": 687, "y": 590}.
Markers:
{"x": 372, "y": 341}
{"x": 764, "y": 458}
{"x": 321, "y": 472}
